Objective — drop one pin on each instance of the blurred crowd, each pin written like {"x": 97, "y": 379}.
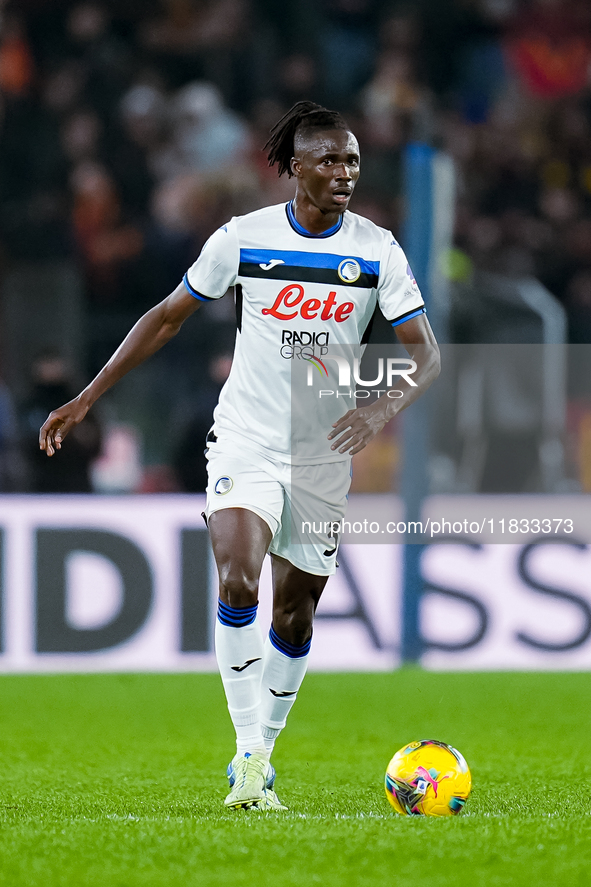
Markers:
{"x": 130, "y": 130}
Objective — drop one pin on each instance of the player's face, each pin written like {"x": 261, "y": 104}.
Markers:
{"x": 327, "y": 168}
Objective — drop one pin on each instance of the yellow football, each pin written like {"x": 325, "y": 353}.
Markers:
{"x": 428, "y": 778}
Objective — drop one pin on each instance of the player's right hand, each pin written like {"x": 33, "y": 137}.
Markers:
{"x": 59, "y": 423}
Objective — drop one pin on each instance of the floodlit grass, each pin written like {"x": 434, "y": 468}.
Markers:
{"x": 118, "y": 781}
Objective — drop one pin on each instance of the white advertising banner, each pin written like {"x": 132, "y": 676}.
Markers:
{"x": 91, "y": 583}
{"x": 521, "y": 606}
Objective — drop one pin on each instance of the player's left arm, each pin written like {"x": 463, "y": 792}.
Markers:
{"x": 357, "y": 427}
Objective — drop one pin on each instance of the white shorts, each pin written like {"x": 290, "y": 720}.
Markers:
{"x": 301, "y": 504}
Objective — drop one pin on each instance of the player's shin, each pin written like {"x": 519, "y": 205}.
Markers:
{"x": 284, "y": 670}
{"x": 239, "y": 652}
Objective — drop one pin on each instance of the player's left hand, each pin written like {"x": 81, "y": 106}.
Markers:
{"x": 357, "y": 428}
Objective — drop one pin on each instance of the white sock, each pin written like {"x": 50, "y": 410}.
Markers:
{"x": 284, "y": 670}
{"x": 239, "y": 652}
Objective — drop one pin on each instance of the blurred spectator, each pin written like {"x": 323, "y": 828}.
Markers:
{"x": 549, "y": 44}
{"x": 10, "y": 462}
{"x": 203, "y": 40}
{"x": 206, "y": 136}
{"x": 143, "y": 114}
{"x": 105, "y": 242}
{"x": 395, "y": 104}
{"x": 16, "y": 60}
{"x": 395, "y": 88}
{"x": 33, "y": 171}
{"x": 461, "y": 51}
{"x": 298, "y": 78}
{"x": 105, "y": 58}
{"x": 118, "y": 468}
{"x": 68, "y": 471}
{"x": 273, "y": 189}
{"x": 86, "y": 23}
{"x": 187, "y": 26}
{"x": 62, "y": 88}
{"x": 348, "y": 40}
{"x": 80, "y": 136}
{"x": 189, "y": 460}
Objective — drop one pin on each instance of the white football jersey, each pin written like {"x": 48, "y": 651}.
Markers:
{"x": 298, "y": 295}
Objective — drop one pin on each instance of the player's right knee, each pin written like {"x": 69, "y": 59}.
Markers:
{"x": 238, "y": 588}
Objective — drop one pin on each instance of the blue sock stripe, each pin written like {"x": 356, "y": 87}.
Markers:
{"x": 236, "y": 617}
{"x": 289, "y": 649}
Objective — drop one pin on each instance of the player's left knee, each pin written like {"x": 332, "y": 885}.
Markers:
{"x": 294, "y": 626}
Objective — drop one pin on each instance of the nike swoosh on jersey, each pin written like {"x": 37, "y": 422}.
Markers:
{"x": 246, "y": 664}
{"x": 328, "y": 553}
{"x": 283, "y": 693}
{"x": 271, "y": 264}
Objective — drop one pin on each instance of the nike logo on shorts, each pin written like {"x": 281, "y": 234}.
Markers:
{"x": 246, "y": 664}
{"x": 271, "y": 264}
{"x": 283, "y": 693}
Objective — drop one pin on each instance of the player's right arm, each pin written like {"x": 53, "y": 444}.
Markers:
{"x": 153, "y": 330}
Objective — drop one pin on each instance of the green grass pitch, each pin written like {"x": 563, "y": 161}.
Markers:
{"x": 118, "y": 781}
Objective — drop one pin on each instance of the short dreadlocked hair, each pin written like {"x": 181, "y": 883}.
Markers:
{"x": 303, "y": 116}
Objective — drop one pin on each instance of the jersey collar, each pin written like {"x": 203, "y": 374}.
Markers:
{"x": 299, "y": 230}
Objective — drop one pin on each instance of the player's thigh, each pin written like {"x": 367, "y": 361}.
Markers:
{"x": 240, "y": 540}
{"x": 244, "y": 505}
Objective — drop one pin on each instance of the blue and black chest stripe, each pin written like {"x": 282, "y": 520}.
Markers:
{"x": 304, "y": 267}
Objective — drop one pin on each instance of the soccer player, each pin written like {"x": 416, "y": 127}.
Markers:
{"x": 306, "y": 272}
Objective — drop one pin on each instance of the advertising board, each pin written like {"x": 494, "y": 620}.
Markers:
{"x": 128, "y": 583}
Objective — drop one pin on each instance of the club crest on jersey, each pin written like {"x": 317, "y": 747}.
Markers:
{"x": 223, "y": 485}
{"x": 349, "y": 270}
